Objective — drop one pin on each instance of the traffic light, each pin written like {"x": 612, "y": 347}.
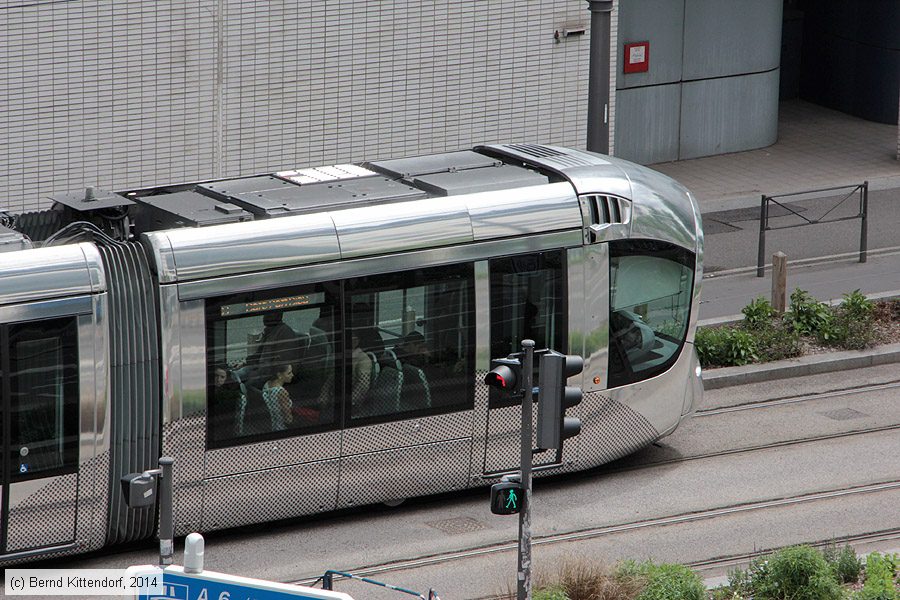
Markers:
{"x": 507, "y": 497}
{"x": 506, "y": 377}
{"x": 555, "y": 397}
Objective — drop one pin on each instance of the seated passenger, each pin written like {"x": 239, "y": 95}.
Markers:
{"x": 277, "y": 399}
{"x": 363, "y": 372}
{"x": 277, "y": 344}
{"x": 414, "y": 354}
{"x": 634, "y": 337}
{"x": 225, "y": 405}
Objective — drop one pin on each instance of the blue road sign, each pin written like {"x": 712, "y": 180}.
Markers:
{"x": 208, "y": 585}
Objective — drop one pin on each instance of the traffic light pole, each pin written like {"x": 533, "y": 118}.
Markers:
{"x": 523, "y": 588}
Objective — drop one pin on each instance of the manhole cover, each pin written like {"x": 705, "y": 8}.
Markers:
{"x": 844, "y": 414}
{"x": 457, "y": 525}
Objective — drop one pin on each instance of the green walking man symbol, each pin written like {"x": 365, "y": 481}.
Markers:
{"x": 511, "y": 500}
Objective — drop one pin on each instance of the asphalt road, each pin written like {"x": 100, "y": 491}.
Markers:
{"x": 760, "y": 443}
{"x": 823, "y": 258}
{"x": 732, "y": 236}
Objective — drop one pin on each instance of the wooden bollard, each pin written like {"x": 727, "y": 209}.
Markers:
{"x": 779, "y": 282}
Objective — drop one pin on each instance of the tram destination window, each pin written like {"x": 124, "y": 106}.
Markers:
{"x": 411, "y": 343}
{"x": 42, "y": 398}
{"x": 650, "y": 295}
{"x": 272, "y": 360}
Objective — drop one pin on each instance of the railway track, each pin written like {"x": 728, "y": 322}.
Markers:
{"x": 784, "y": 400}
{"x": 763, "y": 405}
{"x": 595, "y": 532}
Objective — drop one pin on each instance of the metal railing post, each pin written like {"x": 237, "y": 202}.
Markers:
{"x": 761, "y": 250}
{"x": 864, "y": 224}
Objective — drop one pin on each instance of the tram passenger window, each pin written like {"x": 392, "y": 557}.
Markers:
{"x": 412, "y": 342}
{"x": 650, "y": 294}
{"x": 43, "y": 398}
{"x": 272, "y": 361}
{"x": 528, "y": 302}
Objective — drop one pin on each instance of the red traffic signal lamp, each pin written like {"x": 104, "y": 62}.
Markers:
{"x": 506, "y": 377}
{"x": 553, "y": 426}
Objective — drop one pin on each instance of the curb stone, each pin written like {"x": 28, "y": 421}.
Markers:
{"x": 813, "y": 364}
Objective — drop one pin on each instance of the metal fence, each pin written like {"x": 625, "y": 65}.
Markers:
{"x": 862, "y": 190}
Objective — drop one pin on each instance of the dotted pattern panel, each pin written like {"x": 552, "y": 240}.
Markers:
{"x": 610, "y": 430}
{"x": 46, "y": 517}
{"x": 132, "y": 93}
{"x": 275, "y": 453}
{"x": 185, "y": 440}
{"x": 93, "y": 490}
{"x": 409, "y": 432}
{"x": 404, "y": 473}
{"x": 269, "y": 495}
{"x": 504, "y": 440}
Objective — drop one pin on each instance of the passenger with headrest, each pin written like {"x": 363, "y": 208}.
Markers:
{"x": 277, "y": 399}
{"x": 414, "y": 355}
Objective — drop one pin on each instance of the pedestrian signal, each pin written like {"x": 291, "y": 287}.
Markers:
{"x": 506, "y": 377}
{"x": 506, "y": 498}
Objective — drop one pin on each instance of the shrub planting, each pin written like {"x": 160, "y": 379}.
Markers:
{"x": 764, "y": 335}
{"x": 664, "y": 582}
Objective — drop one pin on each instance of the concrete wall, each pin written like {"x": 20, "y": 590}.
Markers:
{"x": 135, "y": 93}
{"x": 712, "y": 86}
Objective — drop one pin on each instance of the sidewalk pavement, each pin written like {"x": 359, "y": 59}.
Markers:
{"x": 817, "y": 148}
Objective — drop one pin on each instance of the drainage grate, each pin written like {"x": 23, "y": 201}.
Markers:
{"x": 844, "y": 414}
{"x": 457, "y": 525}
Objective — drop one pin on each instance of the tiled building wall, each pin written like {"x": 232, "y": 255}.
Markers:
{"x": 129, "y": 93}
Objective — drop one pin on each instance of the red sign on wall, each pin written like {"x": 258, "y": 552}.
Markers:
{"x": 637, "y": 57}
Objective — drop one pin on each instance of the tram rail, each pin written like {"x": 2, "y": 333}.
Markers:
{"x": 594, "y": 532}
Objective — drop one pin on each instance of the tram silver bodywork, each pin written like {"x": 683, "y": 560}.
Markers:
{"x": 238, "y": 485}
{"x": 65, "y": 513}
{"x": 245, "y": 484}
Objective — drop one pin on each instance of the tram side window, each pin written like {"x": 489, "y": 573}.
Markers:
{"x": 272, "y": 360}
{"x": 650, "y": 294}
{"x": 528, "y": 302}
{"x": 43, "y": 398}
{"x": 411, "y": 342}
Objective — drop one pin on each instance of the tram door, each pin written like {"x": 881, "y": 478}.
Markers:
{"x": 527, "y": 300}
{"x": 39, "y": 420}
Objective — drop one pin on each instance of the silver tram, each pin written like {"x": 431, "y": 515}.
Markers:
{"x": 316, "y": 339}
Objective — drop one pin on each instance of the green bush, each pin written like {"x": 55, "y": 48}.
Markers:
{"x": 809, "y": 316}
{"x": 844, "y": 562}
{"x": 880, "y": 572}
{"x": 777, "y": 341}
{"x": 795, "y": 573}
{"x": 664, "y": 582}
{"x": 549, "y": 593}
{"x": 852, "y": 324}
{"x": 759, "y": 314}
{"x": 725, "y": 346}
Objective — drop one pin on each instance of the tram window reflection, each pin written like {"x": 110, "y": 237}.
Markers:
{"x": 651, "y": 287}
{"x": 254, "y": 340}
{"x": 43, "y": 390}
{"x": 412, "y": 343}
